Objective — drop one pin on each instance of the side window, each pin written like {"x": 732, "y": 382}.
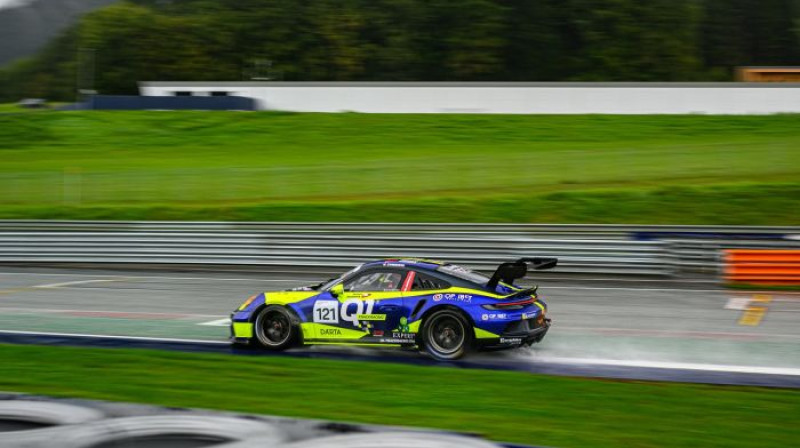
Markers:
{"x": 424, "y": 282}
{"x": 375, "y": 281}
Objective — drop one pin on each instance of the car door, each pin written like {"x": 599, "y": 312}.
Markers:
{"x": 369, "y": 308}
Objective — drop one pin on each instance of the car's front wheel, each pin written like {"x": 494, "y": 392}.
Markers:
{"x": 274, "y": 329}
{"x": 446, "y": 335}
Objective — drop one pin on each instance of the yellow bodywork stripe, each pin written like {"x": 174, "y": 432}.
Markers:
{"x": 243, "y": 329}
{"x": 483, "y": 334}
{"x": 362, "y": 344}
{"x": 286, "y": 297}
{"x": 322, "y": 331}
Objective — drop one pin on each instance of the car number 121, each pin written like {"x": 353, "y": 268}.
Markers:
{"x": 326, "y": 311}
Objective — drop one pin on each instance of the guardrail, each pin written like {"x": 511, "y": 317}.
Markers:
{"x": 603, "y": 249}
{"x": 763, "y": 266}
{"x": 327, "y": 250}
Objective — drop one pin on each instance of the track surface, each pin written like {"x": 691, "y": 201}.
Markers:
{"x": 642, "y": 329}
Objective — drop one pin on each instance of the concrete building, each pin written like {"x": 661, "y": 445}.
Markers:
{"x": 500, "y": 98}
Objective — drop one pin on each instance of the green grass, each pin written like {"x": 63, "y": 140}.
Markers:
{"x": 282, "y": 166}
{"x": 509, "y": 406}
{"x": 15, "y": 108}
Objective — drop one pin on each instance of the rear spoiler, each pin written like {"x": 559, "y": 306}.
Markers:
{"x": 514, "y": 270}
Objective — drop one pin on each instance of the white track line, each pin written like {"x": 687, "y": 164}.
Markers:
{"x": 738, "y": 303}
{"x": 76, "y": 282}
{"x": 575, "y": 361}
{"x": 42, "y": 274}
{"x": 217, "y": 323}
{"x": 613, "y": 288}
{"x": 67, "y": 311}
{"x": 675, "y": 333}
{"x": 677, "y": 365}
{"x": 132, "y": 338}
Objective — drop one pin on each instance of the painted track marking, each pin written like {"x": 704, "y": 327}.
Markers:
{"x": 754, "y": 314}
{"x": 78, "y": 282}
{"x": 100, "y": 312}
{"x": 217, "y": 323}
{"x": 124, "y": 338}
{"x": 678, "y": 366}
{"x": 738, "y": 303}
{"x": 587, "y": 362}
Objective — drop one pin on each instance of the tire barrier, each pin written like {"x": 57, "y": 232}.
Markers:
{"x": 173, "y": 430}
{"x": 34, "y": 423}
{"x": 390, "y": 440}
{"x": 46, "y": 414}
{"x": 762, "y": 267}
{"x": 93, "y": 424}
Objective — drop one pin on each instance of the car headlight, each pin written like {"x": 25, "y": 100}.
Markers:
{"x": 248, "y": 302}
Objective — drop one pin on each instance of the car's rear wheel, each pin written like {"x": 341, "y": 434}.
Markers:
{"x": 446, "y": 335}
{"x": 274, "y": 329}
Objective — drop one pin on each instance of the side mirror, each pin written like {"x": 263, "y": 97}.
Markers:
{"x": 337, "y": 290}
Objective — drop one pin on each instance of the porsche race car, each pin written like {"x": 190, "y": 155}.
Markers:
{"x": 444, "y": 309}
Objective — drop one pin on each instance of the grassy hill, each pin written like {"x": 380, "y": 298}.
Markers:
{"x": 282, "y": 166}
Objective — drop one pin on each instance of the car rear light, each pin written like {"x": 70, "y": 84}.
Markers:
{"x": 510, "y": 306}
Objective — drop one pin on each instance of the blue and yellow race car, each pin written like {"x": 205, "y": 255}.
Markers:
{"x": 445, "y": 309}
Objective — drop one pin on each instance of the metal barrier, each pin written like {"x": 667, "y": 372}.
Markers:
{"x": 602, "y": 249}
{"x": 763, "y": 267}
{"x": 325, "y": 250}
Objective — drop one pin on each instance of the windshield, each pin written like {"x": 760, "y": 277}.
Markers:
{"x": 464, "y": 274}
{"x": 336, "y": 280}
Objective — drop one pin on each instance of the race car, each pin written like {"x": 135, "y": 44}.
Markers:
{"x": 444, "y": 309}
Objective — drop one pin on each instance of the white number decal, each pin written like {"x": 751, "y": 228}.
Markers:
{"x": 326, "y": 311}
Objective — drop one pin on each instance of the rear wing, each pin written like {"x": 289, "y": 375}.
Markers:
{"x": 514, "y": 270}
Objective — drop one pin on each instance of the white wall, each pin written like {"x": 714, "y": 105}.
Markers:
{"x": 544, "y": 98}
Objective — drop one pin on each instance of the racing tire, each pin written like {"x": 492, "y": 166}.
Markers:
{"x": 274, "y": 328}
{"x": 446, "y": 335}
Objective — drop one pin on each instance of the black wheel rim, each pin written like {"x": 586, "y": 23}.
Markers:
{"x": 446, "y": 335}
{"x": 274, "y": 328}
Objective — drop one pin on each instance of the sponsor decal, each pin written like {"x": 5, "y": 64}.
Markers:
{"x": 466, "y": 298}
{"x": 370, "y": 316}
{"x": 494, "y": 316}
{"x": 511, "y": 340}
{"x": 330, "y": 332}
{"x": 403, "y": 326}
{"x": 485, "y": 317}
{"x": 406, "y": 336}
{"x": 351, "y": 310}
{"x": 377, "y": 333}
{"x": 400, "y": 338}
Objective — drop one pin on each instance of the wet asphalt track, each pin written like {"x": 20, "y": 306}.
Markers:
{"x": 662, "y": 330}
